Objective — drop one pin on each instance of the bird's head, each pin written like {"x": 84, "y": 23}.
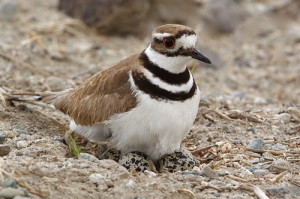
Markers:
{"x": 175, "y": 44}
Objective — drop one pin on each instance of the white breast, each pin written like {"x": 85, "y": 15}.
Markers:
{"x": 153, "y": 127}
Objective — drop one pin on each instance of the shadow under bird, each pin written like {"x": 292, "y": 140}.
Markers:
{"x": 146, "y": 103}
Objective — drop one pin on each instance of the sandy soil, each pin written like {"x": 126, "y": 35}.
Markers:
{"x": 251, "y": 92}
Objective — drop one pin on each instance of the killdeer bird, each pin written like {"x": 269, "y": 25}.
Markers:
{"x": 146, "y": 103}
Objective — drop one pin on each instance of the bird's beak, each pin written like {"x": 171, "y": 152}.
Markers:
{"x": 194, "y": 53}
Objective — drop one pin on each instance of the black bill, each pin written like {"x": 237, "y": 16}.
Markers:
{"x": 197, "y": 55}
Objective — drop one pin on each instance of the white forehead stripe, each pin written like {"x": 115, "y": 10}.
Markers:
{"x": 160, "y": 36}
{"x": 187, "y": 41}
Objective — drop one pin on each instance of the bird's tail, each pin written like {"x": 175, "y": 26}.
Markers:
{"x": 45, "y": 97}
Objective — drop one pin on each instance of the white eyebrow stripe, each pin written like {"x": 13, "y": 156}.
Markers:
{"x": 187, "y": 41}
{"x": 161, "y": 35}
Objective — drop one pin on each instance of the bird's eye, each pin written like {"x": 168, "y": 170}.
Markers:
{"x": 168, "y": 42}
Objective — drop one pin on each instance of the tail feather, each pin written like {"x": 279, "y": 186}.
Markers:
{"x": 47, "y": 97}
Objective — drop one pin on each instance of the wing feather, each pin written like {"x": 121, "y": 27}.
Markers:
{"x": 104, "y": 94}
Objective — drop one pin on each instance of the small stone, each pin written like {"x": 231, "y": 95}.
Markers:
{"x": 207, "y": 171}
{"x": 7, "y": 182}
{"x": 97, "y": 178}
{"x": 22, "y": 132}
{"x": 21, "y": 197}
{"x": 150, "y": 174}
{"x": 2, "y": 139}
{"x": 89, "y": 157}
{"x": 22, "y": 107}
{"x": 59, "y": 138}
{"x": 253, "y": 167}
{"x": 238, "y": 94}
{"x": 279, "y": 146}
{"x": 55, "y": 83}
{"x": 259, "y": 173}
{"x": 10, "y": 192}
{"x": 124, "y": 175}
{"x": 4, "y": 150}
{"x": 8, "y": 10}
{"x": 130, "y": 184}
{"x": 284, "y": 117}
{"x": 84, "y": 166}
{"x": 22, "y": 144}
{"x": 278, "y": 192}
{"x": 256, "y": 144}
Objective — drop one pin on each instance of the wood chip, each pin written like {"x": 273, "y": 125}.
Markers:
{"x": 187, "y": 192}
{"x": 259, "y": 193}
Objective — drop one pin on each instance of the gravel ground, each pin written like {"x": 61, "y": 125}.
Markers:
{"x": 246, "y": 135}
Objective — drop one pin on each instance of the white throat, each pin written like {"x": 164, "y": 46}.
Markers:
{"x": 176, "y": 64}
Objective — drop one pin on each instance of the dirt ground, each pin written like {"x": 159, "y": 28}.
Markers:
{"x": 250, "y": 93}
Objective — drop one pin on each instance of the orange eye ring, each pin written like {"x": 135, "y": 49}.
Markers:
{"x": 168, "y": 42}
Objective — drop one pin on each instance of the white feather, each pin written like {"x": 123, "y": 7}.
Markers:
{"x": 172, "y": 88}
{"x": 153, "y": 127}
{"x": 172, "y": 64}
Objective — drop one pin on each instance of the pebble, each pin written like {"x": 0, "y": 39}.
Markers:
{"x": 84, "y": 166}
{"x": 278, "y": 192}
{"x": 284, "y": 117}
{"x": 21, "y": 197}
{"x": 8, "y": 10}
{"x": 279, "y": 146}
{"x": 10, "y": 192}
{"x": 253, "y": 167}
{"x": 7, "y": 182}
{"x": 207, "y": 171}
{"x": 130, "y": 184}
{"x": 2, "y": 139}
{"x": 256, "y": 144}
{"x": 260, "y": 173}
{"x": 58, "y": 138}
{"x": 150, "y": 174}
{"x": 22, "y": 144}
{"x": 97, "y": 178}
{"x": 22, "y": 132}
{"x": 89, "y": 157}
{"x": 4, "y": 150}
{"x": 124, "y": 175}
{"x": 55, "y": 83}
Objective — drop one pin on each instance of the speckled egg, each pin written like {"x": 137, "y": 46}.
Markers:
{"x": 136, "y": 160}
{"x": 178, "y": 161}
{"x": 112, "y": 154}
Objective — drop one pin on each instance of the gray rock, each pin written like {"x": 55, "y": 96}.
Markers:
{"x": 22, "y": 144}
{"x": 22, "y": 132}
{"x": 259, "y": 173}
{"x": 256, "y": 144}
{"x": 10, "y": 192}
{"x": 207, "y": 171}
{"x": 8, "y": 10}
{"x": 284, "y": 117}
{"x": 2, "y": 139}
{"x": 279, "y": 146}
{"x": 130, "y": 184}
{"x": 7, "y": 182}
{"x": 55, "y": 83}
{"x": 97, "y": 178}
{"x": 4, "y": 150}
{"x": 89, "y": 157}
{"x": 58, "y": 138}
{"x": 278, "y": 192}
{"x": 21, "y": 197}
{"x": 253, "y": 167}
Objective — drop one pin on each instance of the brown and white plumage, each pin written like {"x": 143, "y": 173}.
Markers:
{"x": 147, "y": 102}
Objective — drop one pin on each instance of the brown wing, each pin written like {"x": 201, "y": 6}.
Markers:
{"x": 104, "y": 94}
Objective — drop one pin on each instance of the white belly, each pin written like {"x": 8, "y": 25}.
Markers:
{"x": 154, "y": 127}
